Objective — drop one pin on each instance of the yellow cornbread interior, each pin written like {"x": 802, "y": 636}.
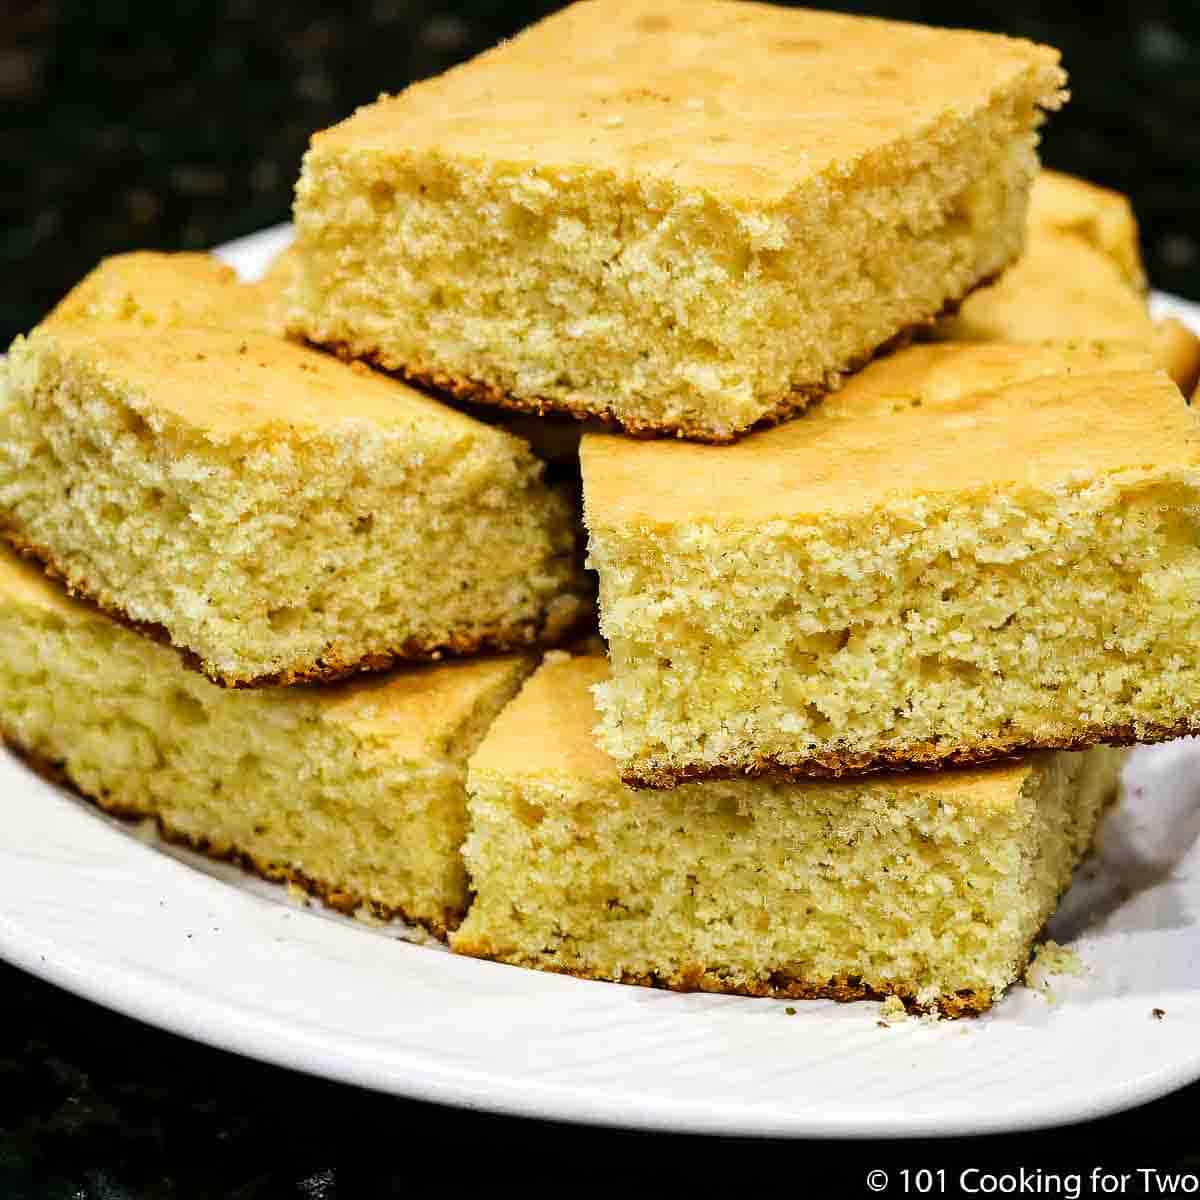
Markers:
{"x": 356, "y": 790}
{"x": 725, "y": 206}
{"x": 926, "y": 886}
{"x": 277, "y": 513}
{"x": 966, "y": 551}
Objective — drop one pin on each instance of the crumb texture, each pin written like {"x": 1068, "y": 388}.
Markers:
{"x": 725, "y": 208}
{"x": 280, "y": 515}
{"x": 929, "y": 888}
{"x": 356, "y": 790}
{"x": 933, "y": 565}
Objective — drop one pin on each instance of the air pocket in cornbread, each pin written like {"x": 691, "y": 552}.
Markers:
{"x": 931, "y": 887}
{"x": 274, "y": 513}
{"x": 353, "y": 790}
{"x": 968, "y": 552}
{"x": 681, "y": 215}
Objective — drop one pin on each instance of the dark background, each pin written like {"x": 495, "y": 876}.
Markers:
{"x": 182, "y": 125}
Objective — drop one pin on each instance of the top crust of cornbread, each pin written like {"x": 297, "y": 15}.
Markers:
{"x": 152, "y": 290}
{"x": 417, "y": 710}
{"x": 744, "y": 100}
{"x": 227, "y": 383}
{"x": 927, "y": 420}
{"x": 1101, "y": 217}
{"x": 547, "y": 732}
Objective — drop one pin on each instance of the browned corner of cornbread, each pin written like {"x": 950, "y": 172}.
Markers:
{"x": 725, "y": 207}
{"x": 936, "y": 566}
{"x": 355, "y": 792}
{"x": 927, "y": 887}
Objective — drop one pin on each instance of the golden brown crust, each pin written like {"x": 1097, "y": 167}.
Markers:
{"x": 330, "y": 894}
{"x": 778, "y": 985}
{"x": 1178, "y": 349}
{"x": 496, "y": 640}
{"x": 924, "y": 756}
{"x": 465, "y": 390}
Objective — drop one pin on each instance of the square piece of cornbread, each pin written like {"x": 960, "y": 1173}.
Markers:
{"x": 1080, "y": 278}
{"x": 272, "y": 512}
{"x": 968, "y": 552}
{"x": 688, "y": 216}
{"x": 355, "y": 791}
{"x": 928, "y": 886}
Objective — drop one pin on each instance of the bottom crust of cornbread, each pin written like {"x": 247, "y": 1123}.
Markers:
{"x": 564, "y": 618}
{"x": 331, "y": 895}
{"x": 776, "y": 986}
{"x": 477, "y": 392}
{"x": 923, "y": 757}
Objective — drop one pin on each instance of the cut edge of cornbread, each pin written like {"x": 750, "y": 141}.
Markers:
{"x": 698, "y": 889}
{"x": 353, "y": 792}
{"x": 565, "y": 616}
{"x": 124, "y": 487}
{"x": 626, "y": 326}
{"x": 592, "y": 419}
{"x": 925, "y": 757}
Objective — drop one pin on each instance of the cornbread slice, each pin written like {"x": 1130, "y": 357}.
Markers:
{"x": 354, "y": 790}
{"x": 687, "y": 216}
{"x": 151, "y": 290}
{"x": 275, "y": 514}
{"x": 1060, "y": 203}
{"x": 968, "y": 552}
{"x": 930, "y": 887}
{"x": 1080, "y": 277}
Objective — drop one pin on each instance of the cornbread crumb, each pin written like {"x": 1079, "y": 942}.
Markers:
{"x": 926, "y": 887}
{"x": 934, "y": 566}
{"x": 355, "y": 792}
{"x": 724, "y": 208}
{"x": 893, "y": 1011}
{"x": 274, "y": 515}
{"x": 1050, "y": 959}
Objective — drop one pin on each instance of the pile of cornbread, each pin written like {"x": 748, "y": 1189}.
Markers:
{"x": 765, "y": 321}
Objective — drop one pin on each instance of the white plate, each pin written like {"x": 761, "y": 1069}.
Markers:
{"x": 200, "y": 949}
